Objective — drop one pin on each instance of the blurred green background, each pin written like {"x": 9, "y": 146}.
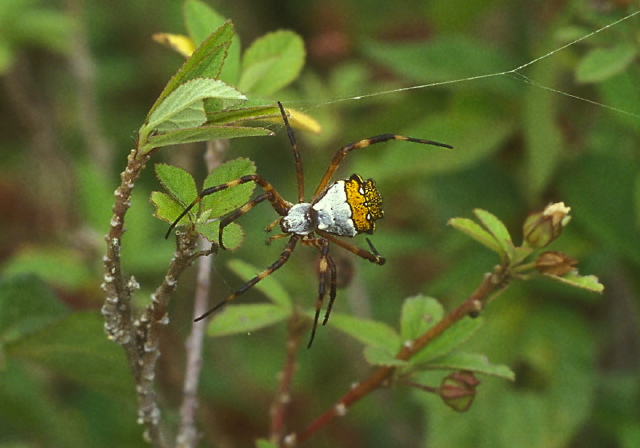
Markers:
{"x": 77, "y": 80}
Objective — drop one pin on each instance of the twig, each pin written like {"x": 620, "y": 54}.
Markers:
{"x": 187, "y": 433}
{"x": 492, "y": 284}
{"x": 139, "y": 334}
{"x": 297, "y": 327}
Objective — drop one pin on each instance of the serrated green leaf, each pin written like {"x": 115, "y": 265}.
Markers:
{"x": 380, "y": 356}
{"x": 205, "y": 62}
{"x": 178, "y": 182}
{"x": 473, "y": 362}
{"x": 498, "y": 230}
{"x": 369, "y": 332}
{"x": 76, "y": 348}
{"x": 601, "y": 64}
{"x": 589, "y": 282}
{"x": 269, "y": 286}
{"x": 238, "y": 319}
{"x": 26, "y": 305}
{"x": 475, "y": 231}
{"x": 183, "y": 108}
{"x": 201, "y": 20}
{"x": 232, "y": 235}
{"x": 244, "y": 114}
{"x": 418, "y": 315}
{"x": 167, "y": 208}
{"x": 228, "y": 200}
{"x": 449, "y": 340}
{"x": 272, "y": 62}
{"x": 202, "y": 134}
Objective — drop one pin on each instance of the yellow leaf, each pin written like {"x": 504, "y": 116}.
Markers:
{"x": 181, "y": 44}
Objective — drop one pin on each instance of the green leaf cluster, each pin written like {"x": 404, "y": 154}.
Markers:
{"x": 200, "y": 102}
{"x": 497, "y": 238}
{"x": 419, "y": 313}
{"x": 182, "y": 191}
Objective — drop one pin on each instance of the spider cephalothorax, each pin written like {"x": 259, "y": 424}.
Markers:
{"x": 343, "y": 208}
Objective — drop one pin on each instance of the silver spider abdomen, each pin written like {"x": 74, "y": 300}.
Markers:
{"x": 349, "y": 207}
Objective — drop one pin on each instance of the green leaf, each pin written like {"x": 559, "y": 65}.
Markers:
{"x": 269, "y": 286}
{"x": 369, "y": 332}
{"x": 272, "y": 62}
{"x": 62, "y": 267}
{"x": 178, "y": 182}
{"x": 599, "y": 187}
{"x": 232, "y": 236}
{"x": 474, "y": 362}
{"x": 76, "y": 348}
{"x": 498, "y": 230}
{"x": 432, "y": 61}
{"x": 449, "y": 340}
{"x": 589, "y": 282}
{"x": 601, "y": 64}
{"x": 418, "y": 315}
{"x": 205, "y": 62}
{"x": 244, "y": 114}
{"x": 238, "y": 319}
{"x": 230, "y": 199}
{"x": 380, "y": 356}
{"x": 168, "y": 209}
{"x": 201, "y": 20}
{"x": 475, "y": 231}
{"x": 201, "y": 134}
{"x": 26, "y": 305}
{"x": 183, "y": 107}
{"x": 182, "y": 189}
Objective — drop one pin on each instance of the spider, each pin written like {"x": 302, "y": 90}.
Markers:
{"x": 344, "y": 208}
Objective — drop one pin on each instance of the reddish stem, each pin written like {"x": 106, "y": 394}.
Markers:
{"x": 492, "y": 284}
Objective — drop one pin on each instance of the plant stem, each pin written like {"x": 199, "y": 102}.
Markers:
{"x": 493, "y": 283}
{"x": 139, "y": 334}
{"x": 297, "y": 327}
{"x": 188, "y": 433}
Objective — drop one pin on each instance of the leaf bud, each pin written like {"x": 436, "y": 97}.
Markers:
{"x": 541, "y": 228}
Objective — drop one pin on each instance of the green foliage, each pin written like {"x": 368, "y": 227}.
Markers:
{"x": 601, "y": 64}
{"x": 26, "y": 305}
{"x": 25, "y": 23}
{"x": 519, "y": 144}
{"x": 271, "y": 63}
{"x": 182, "y": 192}
{"x": 199, "y": 19}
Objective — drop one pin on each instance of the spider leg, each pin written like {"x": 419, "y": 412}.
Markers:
{"x": 332, "y": 291}
{"x": 373, "y": 257}
{"x": 284, "y": 256}
{"x": 342, "y": 152}
{"x": 296, "y": 153}
{"x": 326, "y": 264}
{"x": 280, "y": 205}
{"x": 238, "y": 213}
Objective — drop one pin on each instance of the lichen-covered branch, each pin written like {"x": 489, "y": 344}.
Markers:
{"x": 139, "y": 333}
